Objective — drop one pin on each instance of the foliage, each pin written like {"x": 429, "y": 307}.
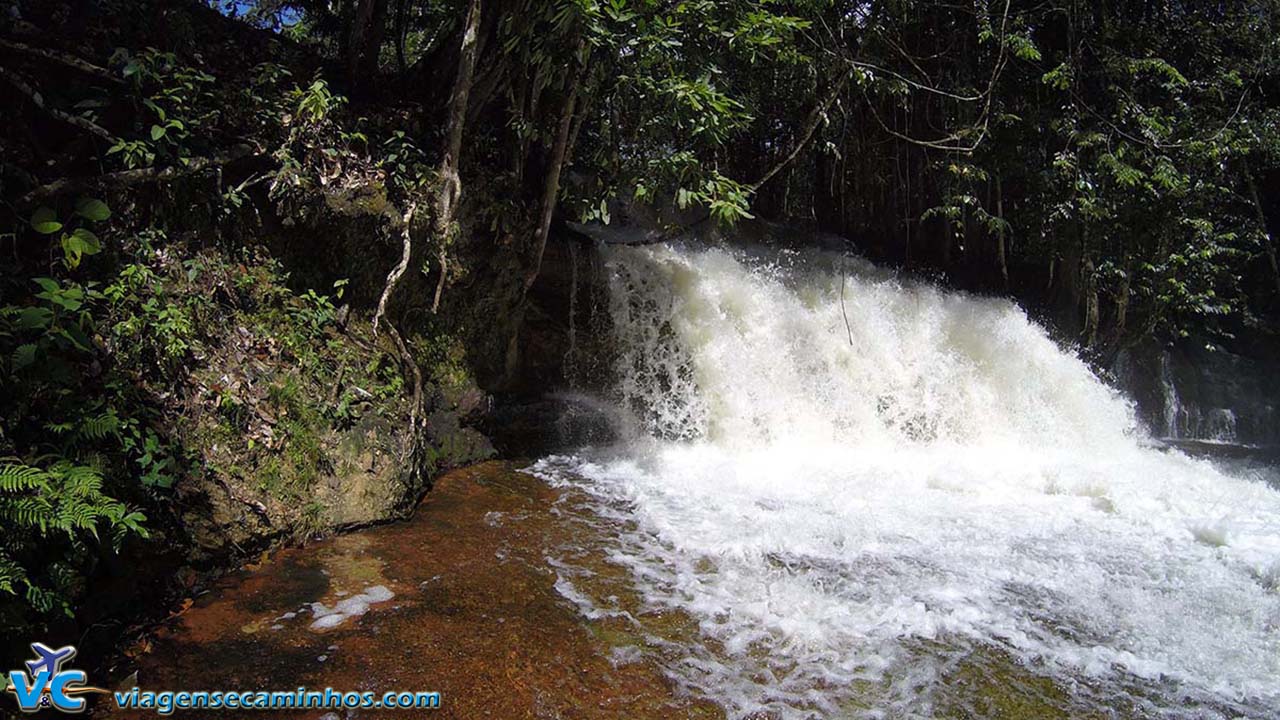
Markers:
{"x": 408, "y": 168}
{"x": 150, "y": 329}
{"x": 176, "y": 104}
{"x": 83, "y": 450}
{"x": 60, "y": 505}
{"x": 677, "y": 62}
{"x": 76, "y": 242}
{"x": 1103, "y": 152}
{"x": 315, "y": 312}
{"x": 1131, "y": 157}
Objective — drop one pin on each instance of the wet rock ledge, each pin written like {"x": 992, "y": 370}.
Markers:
{"x": 458, "y": 600}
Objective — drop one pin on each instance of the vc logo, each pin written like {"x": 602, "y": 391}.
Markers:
{"x": 45, "y": 684}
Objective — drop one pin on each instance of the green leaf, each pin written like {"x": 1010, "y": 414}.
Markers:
{"x": 92, "y": 209}
{"x": 157, "y": 132}
{"x": 159, "y": 111}
{"x": 88, "y": 240}
{"x": 79, "y": 243}
{"x": 45, "y": 221}
{"x": 35, "y": 318}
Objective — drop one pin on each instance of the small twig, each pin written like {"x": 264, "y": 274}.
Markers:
{"x": 337, "y": 385}
{"x": 951, "y": 143}
{"x": 415, "y": 409}
{"x": 815, "y": 119}
{"x": 257, "y": 507}
{"x": 252, "y": 180}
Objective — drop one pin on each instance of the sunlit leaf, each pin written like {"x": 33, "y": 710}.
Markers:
{"x": 45, "y": 221}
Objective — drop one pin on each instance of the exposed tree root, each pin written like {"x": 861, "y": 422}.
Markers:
{"x": 417, "y": 403}
{"x": 393, "y": 278}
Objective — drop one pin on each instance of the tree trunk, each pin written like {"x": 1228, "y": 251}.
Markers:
{"x": 450, "y": 181}
{"x": 551, "y": 188}
{"x": 1121, "y": 324}
{"x": 401, "y": 28}
{"x": 1089, "y": 284}
{"x": 1268, "y": 242}
{"x": 948, "y": 233}
{"x": 447, "y": 196}
{"x": 365, "y": 42}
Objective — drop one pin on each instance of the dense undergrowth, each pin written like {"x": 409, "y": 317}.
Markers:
{"x": 173, "y": 364}
{"x": 173, "y": 394}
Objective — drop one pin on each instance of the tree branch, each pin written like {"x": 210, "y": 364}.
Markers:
{"x": 133, "y": 177}
{"x": 811, "y": 125}
{"x": 444, "y": 274}
{"x": 38, "y": 100}
{"x": 393, "y": 280}
{"x": 66, "y": 60}
{"x": 551, "y": 188}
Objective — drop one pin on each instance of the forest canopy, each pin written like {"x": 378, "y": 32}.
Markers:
{"x": 1120, "y": 154}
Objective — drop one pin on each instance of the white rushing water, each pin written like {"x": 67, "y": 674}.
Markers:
{"x": 856, "y": 484}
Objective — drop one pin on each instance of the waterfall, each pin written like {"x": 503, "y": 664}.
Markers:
{"x": 855, "y": 484}
{"x": 1172, "y": 406}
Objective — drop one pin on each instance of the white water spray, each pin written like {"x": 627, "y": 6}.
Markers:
{"x": 858, "y": 482}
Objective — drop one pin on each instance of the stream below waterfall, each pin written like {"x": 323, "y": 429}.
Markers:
{"x": 837, "y": 493}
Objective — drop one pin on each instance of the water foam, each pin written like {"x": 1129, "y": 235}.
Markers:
{"x": 849, "y": 467}
{"x": 348, "y": 608}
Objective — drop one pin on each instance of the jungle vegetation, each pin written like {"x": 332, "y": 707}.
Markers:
{"x": 1116, "y": 159}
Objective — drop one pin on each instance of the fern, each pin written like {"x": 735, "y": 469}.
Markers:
{"x": 11, "y": 574}
{"x": 16, "y": 478}
{"x": 39, "y": 503}
{"x": 100, "y": 427}
{"x": 80, "y": 481}
{"x": 65, "y": 424}
{"x": 28, "y": 512}
{"x": 88, "y": 429}
{"x": 45, "y": 601}
{"x": 24, "y": 356}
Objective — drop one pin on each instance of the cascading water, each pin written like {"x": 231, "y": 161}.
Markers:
{"x": 855, "y": 485}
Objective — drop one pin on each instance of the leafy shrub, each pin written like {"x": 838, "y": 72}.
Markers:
{"x": 69, "y": 433}
{"x": 78, "y": 241}
{"x": 176, "y": 103}
{"x": 151, "y": 329}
